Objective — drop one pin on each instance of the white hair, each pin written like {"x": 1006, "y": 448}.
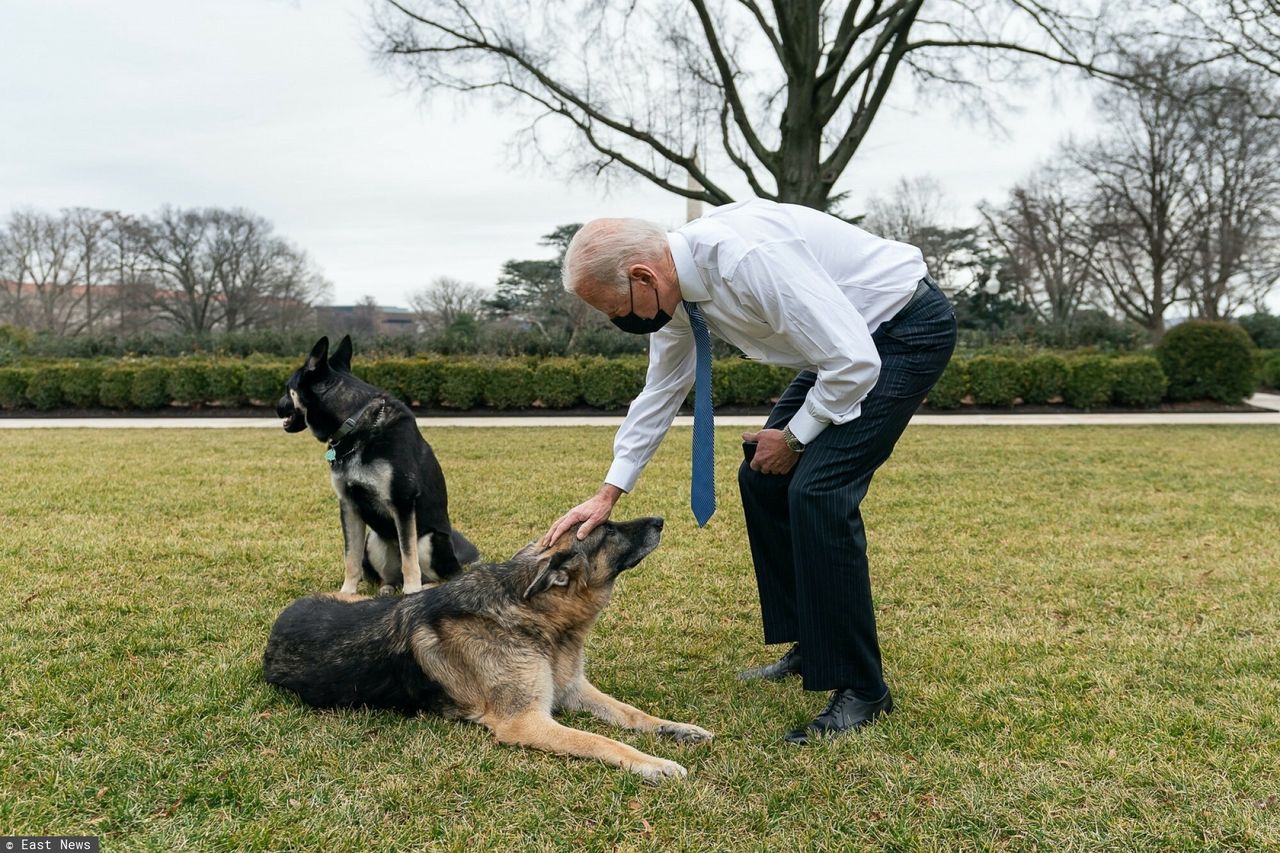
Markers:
{"x": 603, "y": 249}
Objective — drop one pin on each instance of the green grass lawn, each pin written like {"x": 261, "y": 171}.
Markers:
{"x": 1079, "y": 625}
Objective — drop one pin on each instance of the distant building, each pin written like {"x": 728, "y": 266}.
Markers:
{"x": 366, "y": 319}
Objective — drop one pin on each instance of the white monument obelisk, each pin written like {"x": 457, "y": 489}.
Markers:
{"x": 693, "y": 206}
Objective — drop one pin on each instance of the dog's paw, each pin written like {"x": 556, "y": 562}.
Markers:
{"x": 412, "y": 588}
{"x": 386, "y": 589}
{"x": 685, "y": 732}
{"x": 657, "y": 770}
{"x": 349, "y": 588}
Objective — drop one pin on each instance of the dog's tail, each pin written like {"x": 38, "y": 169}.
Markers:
{"x": 463, "y": 549}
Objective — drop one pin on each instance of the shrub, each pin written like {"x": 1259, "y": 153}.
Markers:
{"x": 461, "y": 384}
{"x": 1208, "y": 359}
{"x": 742, "y": 382}
{"x": 1089, "y": 381}
{"x": 1271, "y": 370}
{"x": 13, "y": 387}
{"x": 44, "y": 387}
{"x": 1044, "y": 378}
{"x": 225, "y": 383}
{"x": 995, "y": 380}
{"x": 612, "y": 383}
{"x": 80, "y": 384}
{"x": 1138, "y": 381}
{"x": 264, "y": 383}
{"x": 393, "y": 375}
{"x": 115, "y": 387}
{"x": 951, "y": 387}
{"x": 508, "y": 385}
{"x": 150, "y": 387}
{"x": 422, "y": 381}
{"x": 14, "y": 341}
{"x": 188, "y": 383}
{"x": 557, "y": 383}
{"x": 1264, "y": 329}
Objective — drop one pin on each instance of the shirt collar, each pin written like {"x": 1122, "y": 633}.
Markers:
{"x": 692, "y": 287}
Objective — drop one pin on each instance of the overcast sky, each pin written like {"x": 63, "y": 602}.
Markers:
{"x": 276, "y": 106}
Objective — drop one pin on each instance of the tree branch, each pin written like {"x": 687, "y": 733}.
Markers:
{"x": 768, "y": 31}
{"x": 740, "y": 117}
{"x": 558, "y": 89}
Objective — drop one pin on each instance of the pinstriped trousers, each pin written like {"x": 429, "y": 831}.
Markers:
{"x": 807, "y": 538}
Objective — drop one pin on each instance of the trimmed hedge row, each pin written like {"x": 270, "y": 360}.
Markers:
{"x": 461, "y": 383}
{"x": 1083, "y": 381}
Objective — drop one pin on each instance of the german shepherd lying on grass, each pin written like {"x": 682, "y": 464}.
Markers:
{"x": 500, "y": 645}
{"x": 384, "y": 472}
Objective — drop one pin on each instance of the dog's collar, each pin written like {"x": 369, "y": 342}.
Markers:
{"x": 349, "y": 426}
{"x": 331, "y": 455}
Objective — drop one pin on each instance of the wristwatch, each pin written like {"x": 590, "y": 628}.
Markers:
{"x": 791, "y": 441}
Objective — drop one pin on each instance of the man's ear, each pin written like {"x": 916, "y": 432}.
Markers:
{"x": 341, "y": 358}
{"x": 553, "y": 570}
{"x": 318, "y": 360}
{"x": 642, "y": 273}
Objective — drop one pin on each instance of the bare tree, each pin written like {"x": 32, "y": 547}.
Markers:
{"x": 1245, "y": 31}
{"x": 39, "y": 259}
{"x": 444, "y": 300}
{"x": 777, "y": 97}
{"x": 211, "y": 268}
{"x": 1235, "y": 254}
{"x": 179, "y": 272}
{"x": 129, "y": 306}
{"x": 913, "y": 209}
{"x": 364, "y": 317}
{"x": 917, "y": 211}
{"x": 257, "y": 273}
{"x": 1143, "y": 205}
{"x": 297, "y": 286}
{"x": 91, "y": 230}
{"x": 1043, "y": 231}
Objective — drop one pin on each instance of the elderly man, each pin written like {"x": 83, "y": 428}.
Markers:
{"x": 869, "y": 331}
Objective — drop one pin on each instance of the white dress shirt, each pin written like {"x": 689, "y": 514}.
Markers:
{"x": 787, "y": 285}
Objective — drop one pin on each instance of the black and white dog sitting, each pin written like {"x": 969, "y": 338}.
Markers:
{"x": 384, "y": 472}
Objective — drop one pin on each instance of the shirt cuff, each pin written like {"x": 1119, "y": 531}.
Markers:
{"x": 623, "y": 474}
{"x": 805, "y": 427}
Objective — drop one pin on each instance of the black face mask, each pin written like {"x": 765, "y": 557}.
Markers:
{"x": 629, "y": 322}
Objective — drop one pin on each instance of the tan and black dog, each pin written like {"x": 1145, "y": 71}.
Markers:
{"x": 501, "y": 645}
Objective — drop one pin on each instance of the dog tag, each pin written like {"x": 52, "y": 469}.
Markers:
{"x": 330, "y": 455}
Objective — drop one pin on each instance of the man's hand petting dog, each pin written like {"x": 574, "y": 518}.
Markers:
{"x": 591, "y": 513}
{"x": 772, "y": 454}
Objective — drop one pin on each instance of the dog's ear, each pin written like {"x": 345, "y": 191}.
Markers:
{"x": 341, "y": 358}
{"x": 318, "y": 359}
{"x": 553, "y": 570}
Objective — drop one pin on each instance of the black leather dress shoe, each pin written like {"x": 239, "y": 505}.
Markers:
{"x": 788, "y": 664}
{"x": 845, "y": 712}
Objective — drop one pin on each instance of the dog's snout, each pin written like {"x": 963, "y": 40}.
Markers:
{"x": 284, "y": 407}
{"x": 658, "y": 522}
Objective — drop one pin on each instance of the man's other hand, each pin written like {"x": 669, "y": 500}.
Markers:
{"x": 772, "y": 454}
{"x": 591, "y": 513}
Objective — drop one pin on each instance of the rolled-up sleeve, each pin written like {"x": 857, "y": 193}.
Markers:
{"x": 798, "y": 299}
{"x": 666, "y": 384}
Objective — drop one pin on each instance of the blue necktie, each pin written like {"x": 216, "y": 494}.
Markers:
{"x": 702, "y": 492}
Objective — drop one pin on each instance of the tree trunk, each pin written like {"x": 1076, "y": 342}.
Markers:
{"x": 801, "y": 134}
